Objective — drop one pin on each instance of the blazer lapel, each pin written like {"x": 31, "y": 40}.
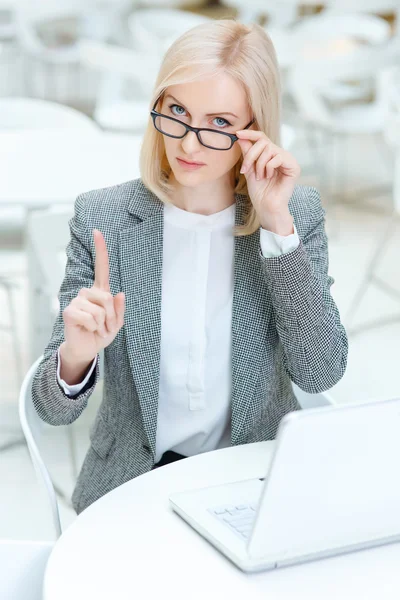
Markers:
{"x": 140, "y": 258}
{"x": 251, "y": 312}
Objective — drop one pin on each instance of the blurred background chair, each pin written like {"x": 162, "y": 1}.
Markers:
{"x": 11, "y": 74}
{"x": 48, "y": 260}
{"x": 278, "y": 14}
{"x": 49, "y": 33}
{"x": 390, "y": 81}
{"x": 153, "y": 30}
{"x": 334, "y": 124}
{"x": 22, "y": 567}
{"x": 127, "y": 76}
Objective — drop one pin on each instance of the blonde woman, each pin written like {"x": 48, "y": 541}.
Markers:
{"x": 205, "y": 281}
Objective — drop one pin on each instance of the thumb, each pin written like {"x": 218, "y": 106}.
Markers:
{"x": 119, "y": 307}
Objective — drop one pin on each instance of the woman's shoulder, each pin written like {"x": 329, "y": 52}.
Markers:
{"x": 116, "y": 204}
{"x": 112, "y": 198}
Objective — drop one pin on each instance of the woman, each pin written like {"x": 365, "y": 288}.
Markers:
{"x": 206, "y": 284}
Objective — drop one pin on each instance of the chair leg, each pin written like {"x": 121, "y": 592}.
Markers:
{"x": 14, "y": 330}
{"x": 370, "y": 272}
{"x": 72, "y": 451}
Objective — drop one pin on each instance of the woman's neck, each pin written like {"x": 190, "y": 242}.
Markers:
{"x": 206, "y": 199}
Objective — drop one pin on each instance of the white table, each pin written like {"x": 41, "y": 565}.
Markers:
{"x": 130, "y": 544}
{"x": 42, "y": 169}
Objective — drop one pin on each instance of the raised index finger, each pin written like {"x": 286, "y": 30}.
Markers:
{"x": 101, "y": 265}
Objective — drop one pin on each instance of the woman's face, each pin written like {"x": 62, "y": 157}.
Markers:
{"x": 215, "y": 103}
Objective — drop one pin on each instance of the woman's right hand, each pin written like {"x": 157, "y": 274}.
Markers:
{"x": 93, "y": 319}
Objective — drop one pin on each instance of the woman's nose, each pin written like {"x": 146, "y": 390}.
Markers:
{"x": 190, "y": 143}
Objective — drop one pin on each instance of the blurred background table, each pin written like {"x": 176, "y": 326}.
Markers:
{"x": 43, "y": 169}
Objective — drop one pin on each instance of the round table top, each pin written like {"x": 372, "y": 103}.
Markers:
{"x": 130, "y": 544}
{"x": 43, "y": 168}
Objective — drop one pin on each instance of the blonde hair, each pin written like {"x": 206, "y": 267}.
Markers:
{"x": 244, "y": 52}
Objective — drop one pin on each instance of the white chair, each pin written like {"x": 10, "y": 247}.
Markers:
{"x": 47, "y": 235}
{"x": 307, "y": 82}
{"x": 11, "y": 80}
{"x": 7, "y": 284}
{"x": 47, "y": 260}
{"x": 279, "y": 14}
{"x": 391, "y": 79}
{"x": 377, "y": 7}
{"x": 187, "y": 4}
{"x": 32, "y": 427}
{"x": 128, "y": 76}
{"x": 153, "y": 30}
{"x": 49, "y": 33}
{"x": 326, "y": 36}
{"x": 22, "y": 568}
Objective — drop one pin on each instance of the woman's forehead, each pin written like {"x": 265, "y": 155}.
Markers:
{"x": 210, "y": 96}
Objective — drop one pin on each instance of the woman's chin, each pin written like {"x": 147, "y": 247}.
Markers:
{"x": 189, "y": 178}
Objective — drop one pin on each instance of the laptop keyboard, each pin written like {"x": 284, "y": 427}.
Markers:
{"x": 238, "y": 518}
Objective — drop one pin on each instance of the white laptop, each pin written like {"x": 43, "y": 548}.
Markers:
{"x": 333, "y": 486}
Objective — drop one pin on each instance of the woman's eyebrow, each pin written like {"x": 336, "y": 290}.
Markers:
{"x": 209, "y": 114}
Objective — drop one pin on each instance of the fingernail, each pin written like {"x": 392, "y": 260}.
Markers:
{"x": 243, "y": 169}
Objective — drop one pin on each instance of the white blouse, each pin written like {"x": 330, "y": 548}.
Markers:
{"x": 196, "y": 316}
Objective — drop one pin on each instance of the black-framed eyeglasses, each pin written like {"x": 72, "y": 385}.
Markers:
{"x": 210, "y": 138}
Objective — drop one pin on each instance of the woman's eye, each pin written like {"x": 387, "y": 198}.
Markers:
{"x": 179, "y": 114}
{"x": 224, "y": 122}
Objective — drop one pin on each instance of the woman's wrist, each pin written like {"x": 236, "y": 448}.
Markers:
{"x": 279, "y": 223}
{"x": 73, "y": 369}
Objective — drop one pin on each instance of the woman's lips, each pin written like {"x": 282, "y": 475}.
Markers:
{"x": 189, "y": 166}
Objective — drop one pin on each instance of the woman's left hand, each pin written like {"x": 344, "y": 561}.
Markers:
{"x": 271, "y": 175}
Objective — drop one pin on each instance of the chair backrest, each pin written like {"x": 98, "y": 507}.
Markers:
{"x": 373, "y": 6}
{"x": 154, "y": 29}
{"x": 307, "y": 400}
{"x": 137, "y": 66}
{"x": 32, "y": 427}
{"x": 390, "y": 80}
{"x": 22, "y": 567}
{"x": 307, "y": 81}
{"x": 32, "y": 113}
{"x": 330, "y": 25}
{"x": 47, "y": 235}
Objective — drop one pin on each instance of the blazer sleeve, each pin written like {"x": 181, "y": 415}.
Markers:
{"x": 49, "y": 399}
{"x": 314, "y": 341}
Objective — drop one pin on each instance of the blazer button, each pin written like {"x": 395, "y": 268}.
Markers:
{"x": 146, "y": 447}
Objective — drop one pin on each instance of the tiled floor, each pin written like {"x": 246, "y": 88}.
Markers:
{"x": 372, "y": 366}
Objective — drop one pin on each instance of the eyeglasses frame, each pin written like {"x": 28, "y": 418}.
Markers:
{"x": 154, "y": 113}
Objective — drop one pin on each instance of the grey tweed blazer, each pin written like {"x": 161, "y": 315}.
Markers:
{"x": 285, "y": 326}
